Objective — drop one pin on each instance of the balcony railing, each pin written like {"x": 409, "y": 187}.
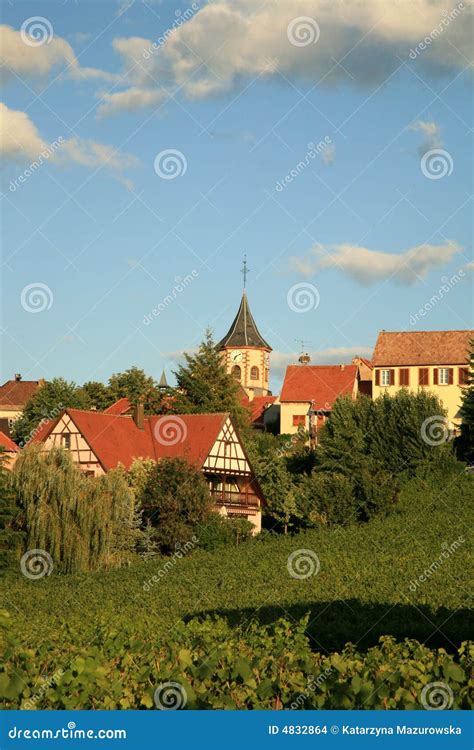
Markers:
{"x": 234, "y": 498}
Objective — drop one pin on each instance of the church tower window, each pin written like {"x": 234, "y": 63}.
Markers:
{"x": 237, "y": 372}
{"x": 254, "y": 373}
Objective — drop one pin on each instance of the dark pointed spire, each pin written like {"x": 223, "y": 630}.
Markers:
{"x": 244, "y": 331}
{"x": 163, "y": 382}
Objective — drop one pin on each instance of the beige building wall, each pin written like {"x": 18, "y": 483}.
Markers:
{"x": 287, "y": 410}
{"x": 450, "y": 395}
{"x": 254, "y": 368}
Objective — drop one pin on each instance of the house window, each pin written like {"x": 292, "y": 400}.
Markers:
{"x": 443, "y": 376}
{"x": 463, "y": 376}
{"x": 236, "y": 372}
{"x": 404, "y": 376}
{"x": 66, "y": 440}
{"x": 10, "y": 423}
{"x": 299, "y": 420}
{"x": 254, "y": 373}
{"x": 385, "y": 378}
{"x": 423, "y": 376}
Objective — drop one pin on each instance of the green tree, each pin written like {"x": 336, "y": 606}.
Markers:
{"x": 176, "y": 501}
{"x": 10, "y": 536}
{"x": 465, "y": 443}
{"x": 99, "y": 395}
{"x": 135, "y": 385}
{"x": 47, "y": 403}
{"x": 204, "y": 385}
{"x": 327, "y": 497}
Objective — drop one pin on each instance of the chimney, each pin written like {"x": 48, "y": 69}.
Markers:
{"x": 17, "y": 377}
{"x": 139, "y": 416}
{"x": 342, "y": 367}
{"x": 40, "y": 381}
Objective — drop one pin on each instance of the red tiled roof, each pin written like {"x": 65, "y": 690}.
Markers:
{"x": 321, "y": 384}
{"x": 257, "y": 406}
{"x": 116, "y": 439}
{"x": 17, "y": 392}
{"x": 421, "y": 348}
{"x": 122, "y": 406}
{"x": 189, "y": 435}
{"x": 7, "y": 443}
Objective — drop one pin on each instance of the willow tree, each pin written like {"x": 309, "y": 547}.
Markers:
{"x": 80, "y": 521}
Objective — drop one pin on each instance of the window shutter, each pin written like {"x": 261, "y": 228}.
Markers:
{"x": 463, "y": 375}
{"x": 377, "y": 377}
{"x": 420, "y": 376}
{"x": 435, "y": 376}
{"x": 450, "y": 376}
{"x": 392, "y": 377}
{"x": 404, "y": 376}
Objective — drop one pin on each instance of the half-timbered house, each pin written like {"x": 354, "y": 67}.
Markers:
{"x": 100, "y": 441}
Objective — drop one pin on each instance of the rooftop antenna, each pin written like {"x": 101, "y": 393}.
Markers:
{"x": 302, "y": 343}
{"x": 245, "y": 270}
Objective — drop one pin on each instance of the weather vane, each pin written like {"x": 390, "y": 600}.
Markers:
{"x": 245, "y": 271}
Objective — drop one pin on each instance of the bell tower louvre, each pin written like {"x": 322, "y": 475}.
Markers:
{"x": 245, "y": 352}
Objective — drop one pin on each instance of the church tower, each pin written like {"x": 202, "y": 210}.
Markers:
{"x": 245, "y": 352}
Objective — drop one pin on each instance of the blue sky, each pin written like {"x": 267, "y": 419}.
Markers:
{"x": 366, "y": 225}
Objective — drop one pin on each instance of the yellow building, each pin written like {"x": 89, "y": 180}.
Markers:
{"x": 245, "y": 352}
{"x": 13, "y": 396}
{"x": 431, "y": 360}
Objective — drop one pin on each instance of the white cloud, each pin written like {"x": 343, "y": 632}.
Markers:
{"x": 21, "y": 141}
{"x": 230, "y": 40}
{"x": 130, "y": 100}
{"x": 37, "y": 61}
{"x": 369, "y": 266}
{"x": 431, "y": 135}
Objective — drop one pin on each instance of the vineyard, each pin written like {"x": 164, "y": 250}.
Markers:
{"x": 237, "y": 628}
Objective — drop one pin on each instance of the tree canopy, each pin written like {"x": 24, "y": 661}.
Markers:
{"x": 205, "y": 386}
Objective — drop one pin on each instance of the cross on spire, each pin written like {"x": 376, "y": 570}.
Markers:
{"x": 245, "y": 270}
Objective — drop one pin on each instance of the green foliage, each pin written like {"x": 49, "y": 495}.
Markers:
{"x": 137, "y": 386}
{"x": 465, "y": 443}
{"x": 47, "y": 403}
{"x": 175, "y": 501}
{"x": 204, "y": 385}
{"x": 364, "y": 588}
{"x": 261, "y": 667}
{"x": 327, "y": 497}
{"x": 10, "y": 536}
{"x": 98, "y": 395}
{"x": 84, "y": 523}
{"x": 221, "y": 531}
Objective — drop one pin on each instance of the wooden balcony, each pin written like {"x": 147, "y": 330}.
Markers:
{"x": 237, "y": 499}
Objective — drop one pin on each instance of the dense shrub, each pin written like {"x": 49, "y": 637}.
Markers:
{"x": 175, "y": 502}
{"x": 327, "y": 497}
{"x": 221, "y": 531}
